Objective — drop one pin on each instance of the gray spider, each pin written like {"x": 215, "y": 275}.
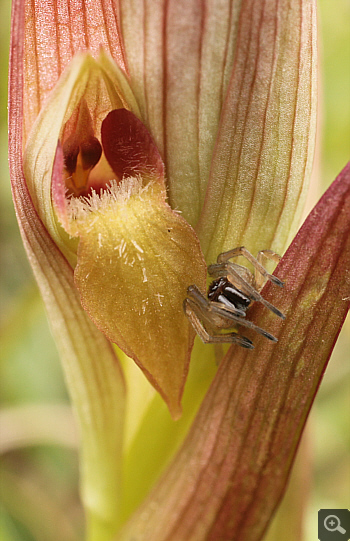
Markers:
{"x": 232, "y": 291}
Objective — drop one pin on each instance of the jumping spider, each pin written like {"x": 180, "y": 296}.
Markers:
{"x": 229, "y": 295}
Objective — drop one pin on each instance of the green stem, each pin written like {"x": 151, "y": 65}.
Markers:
{"x": 95, "y": 383}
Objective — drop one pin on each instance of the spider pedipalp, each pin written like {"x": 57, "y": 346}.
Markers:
{"x": 233, "y": 289}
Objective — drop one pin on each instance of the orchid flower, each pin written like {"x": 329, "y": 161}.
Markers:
{"x": 145, "y": 139}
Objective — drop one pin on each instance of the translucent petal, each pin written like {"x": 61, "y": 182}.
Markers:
{"x": 179, "y": 56}
{"x": 103, "y": 86}
{"x": 264, "y": 150}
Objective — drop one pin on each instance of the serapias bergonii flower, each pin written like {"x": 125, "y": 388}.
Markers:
{"x": 189, "y": 130}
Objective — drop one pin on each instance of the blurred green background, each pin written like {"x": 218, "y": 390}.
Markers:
{"x": 39, "y": 498}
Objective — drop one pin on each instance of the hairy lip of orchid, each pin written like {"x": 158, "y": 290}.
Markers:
{"x": 135, "y": 256}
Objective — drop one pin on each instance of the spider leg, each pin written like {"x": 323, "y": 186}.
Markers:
{"x": 260, "y": 280}
{"x": 241, "y": 250}
{"x": 192, "y": 309}
{"x": 229, "y": 269}
{"x": 268, "y": 254}
{"x": 215, "y": 271}
{"x": 232, "y": 316}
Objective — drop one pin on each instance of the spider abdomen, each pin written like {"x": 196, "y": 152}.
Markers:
{"x": 222, "y": 290}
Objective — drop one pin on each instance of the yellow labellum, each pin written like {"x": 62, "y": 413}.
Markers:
{"x": 136, "y": 258}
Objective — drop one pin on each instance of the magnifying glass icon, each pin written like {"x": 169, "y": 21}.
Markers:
{"x": 332, "y": 524}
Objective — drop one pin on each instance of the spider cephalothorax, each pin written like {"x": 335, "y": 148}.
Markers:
{"x": 229, "y": 296}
